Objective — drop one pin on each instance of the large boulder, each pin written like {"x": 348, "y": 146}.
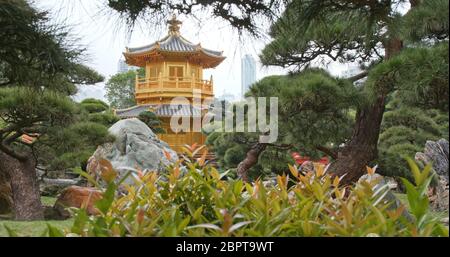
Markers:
{"x": 135, "y": 147}
{"x": 437, "y": 153}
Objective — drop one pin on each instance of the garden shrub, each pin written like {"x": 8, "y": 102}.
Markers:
{"x": 193, "y": 199}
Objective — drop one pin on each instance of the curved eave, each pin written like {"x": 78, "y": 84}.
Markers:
{"x": 205, "y": 58}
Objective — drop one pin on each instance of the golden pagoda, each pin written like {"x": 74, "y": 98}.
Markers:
{"x": 173, "y": 68}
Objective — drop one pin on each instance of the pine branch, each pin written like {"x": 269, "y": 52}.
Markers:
{"x": 358, "y": 76}
{"x": 282, "y": 146}
{"x": 327, "y": 151}
{"x": 7, "y": 150}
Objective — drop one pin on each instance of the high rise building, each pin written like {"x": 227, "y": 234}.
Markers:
{"x": 248, "y": 73}
{"x": 122, "y": 66}
{"x": 226, "y": 97}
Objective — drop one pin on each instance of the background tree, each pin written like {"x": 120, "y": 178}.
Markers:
{"x": 39, "y": 69}
{"x": 120, "y": 89}
{"x": 369, "y": 32}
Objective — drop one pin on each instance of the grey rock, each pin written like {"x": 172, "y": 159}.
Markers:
{"x": 135, "y": 147}
{"x": 439, "y": 196}
{"x": 40, "y": 172}
{"x": 437, "y": 153}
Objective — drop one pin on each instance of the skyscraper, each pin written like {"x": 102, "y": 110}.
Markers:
{"x": 248, "y": 73}
{"x": 122, "y": 66}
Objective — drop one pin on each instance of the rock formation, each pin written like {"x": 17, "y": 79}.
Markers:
{"x": 437, "y": 153}
{"x": 75, "y": 196}
{"x": 135, "y": 147}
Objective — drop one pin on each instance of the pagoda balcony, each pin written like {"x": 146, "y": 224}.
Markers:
{"x": 173, "y": 86}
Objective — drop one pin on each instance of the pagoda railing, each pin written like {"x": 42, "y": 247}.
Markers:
{"x": 173, "y": 84}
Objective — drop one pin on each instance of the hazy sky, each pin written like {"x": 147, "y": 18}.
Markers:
{"x": 105, "y": 39}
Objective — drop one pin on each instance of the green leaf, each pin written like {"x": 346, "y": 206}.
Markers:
{"x": 423, "y": 188}
{"x": 123, "y": 178}
{"x": 418, "y": 202}
{"x": 54, "y": 232}
{"x": 81, "y": 218}
{"x": 183, "y": 224}
{"x": 197, "y": 213}
{"x": 411, "y": 193}
{"x": 104, "y": 204}
{"x": 426, "y": 172}
{"x": 415, "y": 171}
{"x": 238, "y": 226}
{"x": 208, "y": 226}
{"x": 87, "y": 176}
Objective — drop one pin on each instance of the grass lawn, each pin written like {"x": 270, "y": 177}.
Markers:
{"x": 33, "y": 228}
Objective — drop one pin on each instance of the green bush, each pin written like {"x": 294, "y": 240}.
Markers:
{"x": 106, "y": 118}
{"x": 193, "y": 199}
{"x": 404, "y": 132}
{"x": 92, "y": 105}
{"x": 152, "y": 121}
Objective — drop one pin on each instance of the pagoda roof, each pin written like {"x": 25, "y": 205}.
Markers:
{"x": 176, "y": 44}
{"x": 164, "y": 110}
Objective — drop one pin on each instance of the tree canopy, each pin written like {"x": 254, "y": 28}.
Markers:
{"x": 120, "y": 90}
{"x": 401, "y": 61}
{"x": 40, "y": 66}
{"x": 243, "y": 15}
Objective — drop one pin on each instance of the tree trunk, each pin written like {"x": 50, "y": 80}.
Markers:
{"x": 24, "y": 187}
{"x": 362, "y": 148}
{"x": 5, "y": 193}
{"x": 250, "y": 160}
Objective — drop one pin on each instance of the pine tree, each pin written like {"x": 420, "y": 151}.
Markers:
{"x": 39, "y": 69}
{"x": 376, "y": 35}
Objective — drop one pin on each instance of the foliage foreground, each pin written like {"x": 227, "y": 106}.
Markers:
{"x": 193, "y": 199}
